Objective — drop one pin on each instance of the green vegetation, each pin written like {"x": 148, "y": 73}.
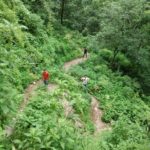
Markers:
{"x": 121, "y": 104}
{"x": 38, "y": 34}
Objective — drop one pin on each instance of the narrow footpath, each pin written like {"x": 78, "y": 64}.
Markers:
{"x": 96, "y": 113}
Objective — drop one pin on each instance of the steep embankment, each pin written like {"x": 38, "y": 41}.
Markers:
{"x": 65, "y": 112}
{"x": 29, "y": 92}
{"x": 96, "y": 113}
{"x": 120, "y": 101}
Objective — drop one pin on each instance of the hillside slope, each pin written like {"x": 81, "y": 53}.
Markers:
{"x": 67, "y": 117}
{"x": 43, "y": 122}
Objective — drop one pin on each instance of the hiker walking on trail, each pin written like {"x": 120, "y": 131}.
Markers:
{"x": 85, "y": 52}
{"x": 85, "y": 81}
{"x": 45, "y": 77}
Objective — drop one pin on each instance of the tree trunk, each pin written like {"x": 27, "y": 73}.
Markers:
{"x": 62, "y": 10}
{"x": 114, "y": 57}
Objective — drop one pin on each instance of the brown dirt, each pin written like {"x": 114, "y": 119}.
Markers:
{"x": 74, "y": 62}
{"x": 52, "y": 87}
{"x": 27, "y": 94}
{"x": 69, "y": 111}
{"x": 96, "y": 115}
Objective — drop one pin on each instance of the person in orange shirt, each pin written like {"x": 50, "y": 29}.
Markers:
{"x": 45, "y": 76}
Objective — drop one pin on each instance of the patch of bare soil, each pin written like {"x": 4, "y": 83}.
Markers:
{"x": 74, "y": 62}
{"x": 96, "y": 115}
{"x": 51, "y": 87}
{"x": 69, "y": 111}
{"x": 27, "y": 94}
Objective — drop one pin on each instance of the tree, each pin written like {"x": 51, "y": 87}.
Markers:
{"x": 124, "y": 28}
{"x": 62, "y": 10}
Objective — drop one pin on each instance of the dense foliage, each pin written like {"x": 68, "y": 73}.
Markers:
{"x": 119, "y": 25}
{"x": 38, "y": 34}
{"x": 27, "y": 47}
{"x": 121, "y": 103}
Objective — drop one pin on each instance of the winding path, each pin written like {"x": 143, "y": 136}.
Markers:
{"x": 74, "y": 62}
{"x": 96, "y": 113}
{"x": 27, "y": 94}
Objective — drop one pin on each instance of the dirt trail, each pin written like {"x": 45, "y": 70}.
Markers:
{"x": 96, "y": 113}
{"x": 69, "y": 111}
{"x": 74, "y": 62}
{"x": 27, "y": 94}
{"x": 51, "y": 87}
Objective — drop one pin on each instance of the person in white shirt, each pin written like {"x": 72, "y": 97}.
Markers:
{"x": 85, "y": 81}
